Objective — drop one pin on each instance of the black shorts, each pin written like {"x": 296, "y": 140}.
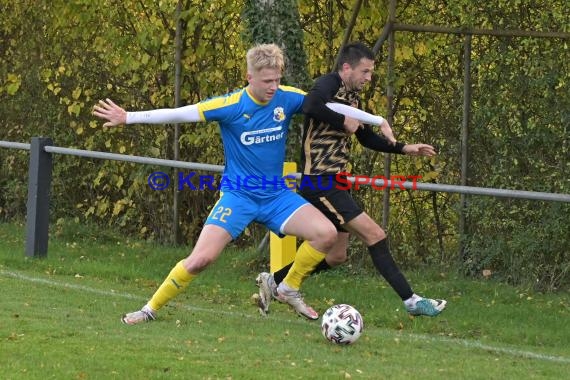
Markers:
{"x": 323, "y": 192}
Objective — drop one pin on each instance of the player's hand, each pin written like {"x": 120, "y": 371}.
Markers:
{"x": 351, "y": 125}
{"x": 419, "y": 150}
{"x": 387, "y": 132}
{"x": 111, "y": 112}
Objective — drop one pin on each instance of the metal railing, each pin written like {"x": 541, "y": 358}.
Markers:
{"x": 41, "y": 165}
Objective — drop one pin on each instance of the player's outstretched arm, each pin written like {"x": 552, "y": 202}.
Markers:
{"x": 366, "y": 118}
{"x": 115, "y": 115}
{"x": 374, "y": 143}
{"x": 355, "y": 113}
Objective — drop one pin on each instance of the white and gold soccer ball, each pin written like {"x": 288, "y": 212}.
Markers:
{"x": 342, "y": 324}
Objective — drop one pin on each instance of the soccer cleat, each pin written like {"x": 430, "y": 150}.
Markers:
{"x": 267, "y": 291}
{"x": 295, "y": 299}
{"x": 426, "y": 306}
{"x": 143, "y": 315}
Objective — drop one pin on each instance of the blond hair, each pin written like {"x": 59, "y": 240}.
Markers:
{"x": 264, "y": 56}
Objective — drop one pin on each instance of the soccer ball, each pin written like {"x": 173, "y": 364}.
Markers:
{"x": 342, "y": 324}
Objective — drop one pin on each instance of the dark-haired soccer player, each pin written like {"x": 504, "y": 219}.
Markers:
{"x": 326, "y": 147}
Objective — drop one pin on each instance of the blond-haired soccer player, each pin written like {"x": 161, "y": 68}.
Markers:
{"x": 254, "y": 122}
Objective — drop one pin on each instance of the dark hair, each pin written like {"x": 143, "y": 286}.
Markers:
{"x": 352, "y": 53}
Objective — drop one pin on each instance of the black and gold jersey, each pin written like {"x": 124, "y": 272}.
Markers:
{"x": 326, "y": 145}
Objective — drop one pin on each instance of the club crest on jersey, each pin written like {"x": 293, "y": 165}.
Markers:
{"x": 278, "y": 114}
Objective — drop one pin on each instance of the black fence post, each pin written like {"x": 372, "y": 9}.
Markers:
{"x": 39, "y": 183}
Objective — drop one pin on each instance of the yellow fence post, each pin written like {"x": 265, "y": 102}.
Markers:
{"x": 282, "y": 251}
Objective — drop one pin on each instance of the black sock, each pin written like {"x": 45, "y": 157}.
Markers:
{"x": 387, "y": 267}
{"x": 281, "y": 273}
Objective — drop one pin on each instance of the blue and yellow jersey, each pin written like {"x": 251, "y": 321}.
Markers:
{"x": 253, "y": 134}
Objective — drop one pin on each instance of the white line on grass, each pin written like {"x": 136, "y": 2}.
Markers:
{"x": 421, "y": 337}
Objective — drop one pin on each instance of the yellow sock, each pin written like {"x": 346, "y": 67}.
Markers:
{"x": 176, "y": 281}
{"x": 306, "y": 260}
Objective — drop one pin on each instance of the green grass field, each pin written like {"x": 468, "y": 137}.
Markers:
{"x": 60, "y": 320}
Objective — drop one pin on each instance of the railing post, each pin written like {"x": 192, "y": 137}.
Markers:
{"x": 39, "y": 183}
{"x": 282, "y": 250}
{"x": 465, "y": 146}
